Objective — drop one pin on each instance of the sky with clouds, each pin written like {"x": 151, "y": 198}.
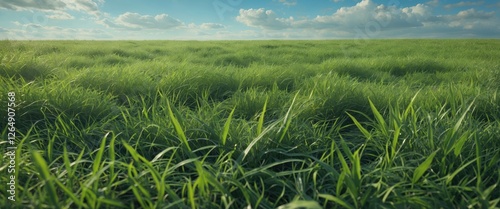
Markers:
{"x": 247, "y": 19}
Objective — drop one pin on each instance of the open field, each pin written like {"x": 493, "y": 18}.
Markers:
{"x": 252, "y": 124}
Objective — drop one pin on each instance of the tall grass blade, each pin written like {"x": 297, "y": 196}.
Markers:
{"x": 261, "y": 118}
{"x": 112, "y": 157}
{"x": 459, "y": 144}
{"x": 178, "y": 129}
{"x": 287, "y": 119}
{"x": 459, "y": 122}
{"x": 356, "y": 166}
{"x": 478, "y": 162}
{"x": 113, "y": 203}
{"x": 225, "y": 130}
{"x": 97, "y": 161}
{"x": 395, "y": 139}
{"x": 409, "y": 108}
{"x": 420, "y": 170}
{"x": 254, "y": 141}
{"x": 43, "y": 169}
{"x": 450, "y": 177}
{"x": 336, "y": 200}
{"x": 380, "y": 120}
{"x": 343, "y": 162}
{"x": 70, "y": 193}
{"x": 191, "y": 193}
{"x": 301, "y": 204}
{"x": 365, "y": 132}
{"x": 159, "y": 184}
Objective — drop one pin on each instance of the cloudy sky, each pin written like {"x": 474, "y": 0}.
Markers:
{"x": 247, "y": 19}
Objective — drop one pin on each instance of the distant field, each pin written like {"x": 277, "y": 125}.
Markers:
{"x": 251, "y": 124}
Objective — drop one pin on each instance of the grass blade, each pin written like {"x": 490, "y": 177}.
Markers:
{"x": 287, "y": 120}
{"x": 225, "y": 130}
{"x": 450, "y": 177}
{"x": 254, "y": 141}
{"x": 43, "y": 169}
{"x": 336, "y": 200}
{"x": 301, "y": 204}
{"x": 97, "y": 161}
{"x": 365, "y": 132}
{"x": 178, "y": 129}
{"x": 420, "y": 170}
{"x": 261, "y": 118}
{"x": 409, "y": 108}
{"x": 459, "y": 122}
{"x": 70, "y": 193}
{"x": 459, "y": 144}
{"x": 380, "y": 120}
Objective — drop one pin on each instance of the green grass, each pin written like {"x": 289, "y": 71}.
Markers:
{"x": 253, "y": 124}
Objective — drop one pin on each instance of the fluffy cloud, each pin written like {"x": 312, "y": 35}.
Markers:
{"x": 83, "y": 5}
{"x": 369, "y": 20}
{"x": 138, "y": 21}
{"x": 464, "y": 4}
{"x": 130, "y": 22}
{"x": 466, "y": 19}
{"x": 209, "y": 26}
{"x": 473, "y": 14}
{"x": 59, "y": 15}
{"x": 288, "y": 2}
{"x": 262, "y": 18}
{"x": 31, "y": 31}
{"x": 77, "y": 5}
{"x": 87, "y": 6}
{"x": 346, "y": 17}
{"x": 55, "y": 9}
{"x": 433, "y": 3}
{"x": 30, "y": 4}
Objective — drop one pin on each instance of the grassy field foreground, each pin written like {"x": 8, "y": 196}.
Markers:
{"x": 252, "y": 124}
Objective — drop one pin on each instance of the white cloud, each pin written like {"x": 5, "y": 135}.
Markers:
{"x": 465, "y": 15}
{"x": 31, "y": 4}
{"x": 209, "y": 26}
{"x": 346, "y": 17}
{"x": 464, "y": 4}
{"x": 466, "y": 19}
{"x": 369, "y": 20}
{"x": 473, "y": 14}
{"x": 289, "y": 2}
{"x": 87, "y": 6}
{"x": 138, "y": 21}
{"x": 262, "y": 18}
{"x": 82, "y": 5}
{"x": 134, "y": 21}
{"x": 55, "y": 9}
{"x": 433, "y": 3}
{"x": 365, "y": 19}
{"x": 59, "y": 15}
{"x": 32, "y": 31}
{"x": 90, "y": 6}
{"x": 109, "y": 23}
{"x": 366, "y": 13}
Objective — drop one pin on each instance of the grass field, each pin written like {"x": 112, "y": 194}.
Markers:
{"x": 252, "y": 124}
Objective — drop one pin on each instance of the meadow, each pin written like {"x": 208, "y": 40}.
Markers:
{"x": 252, "y": 124}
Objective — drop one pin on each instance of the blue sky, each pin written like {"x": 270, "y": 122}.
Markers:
{"x": 247, "y": 19}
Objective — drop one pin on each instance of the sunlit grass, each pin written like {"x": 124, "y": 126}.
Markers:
{"x": 257, "y": 124}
